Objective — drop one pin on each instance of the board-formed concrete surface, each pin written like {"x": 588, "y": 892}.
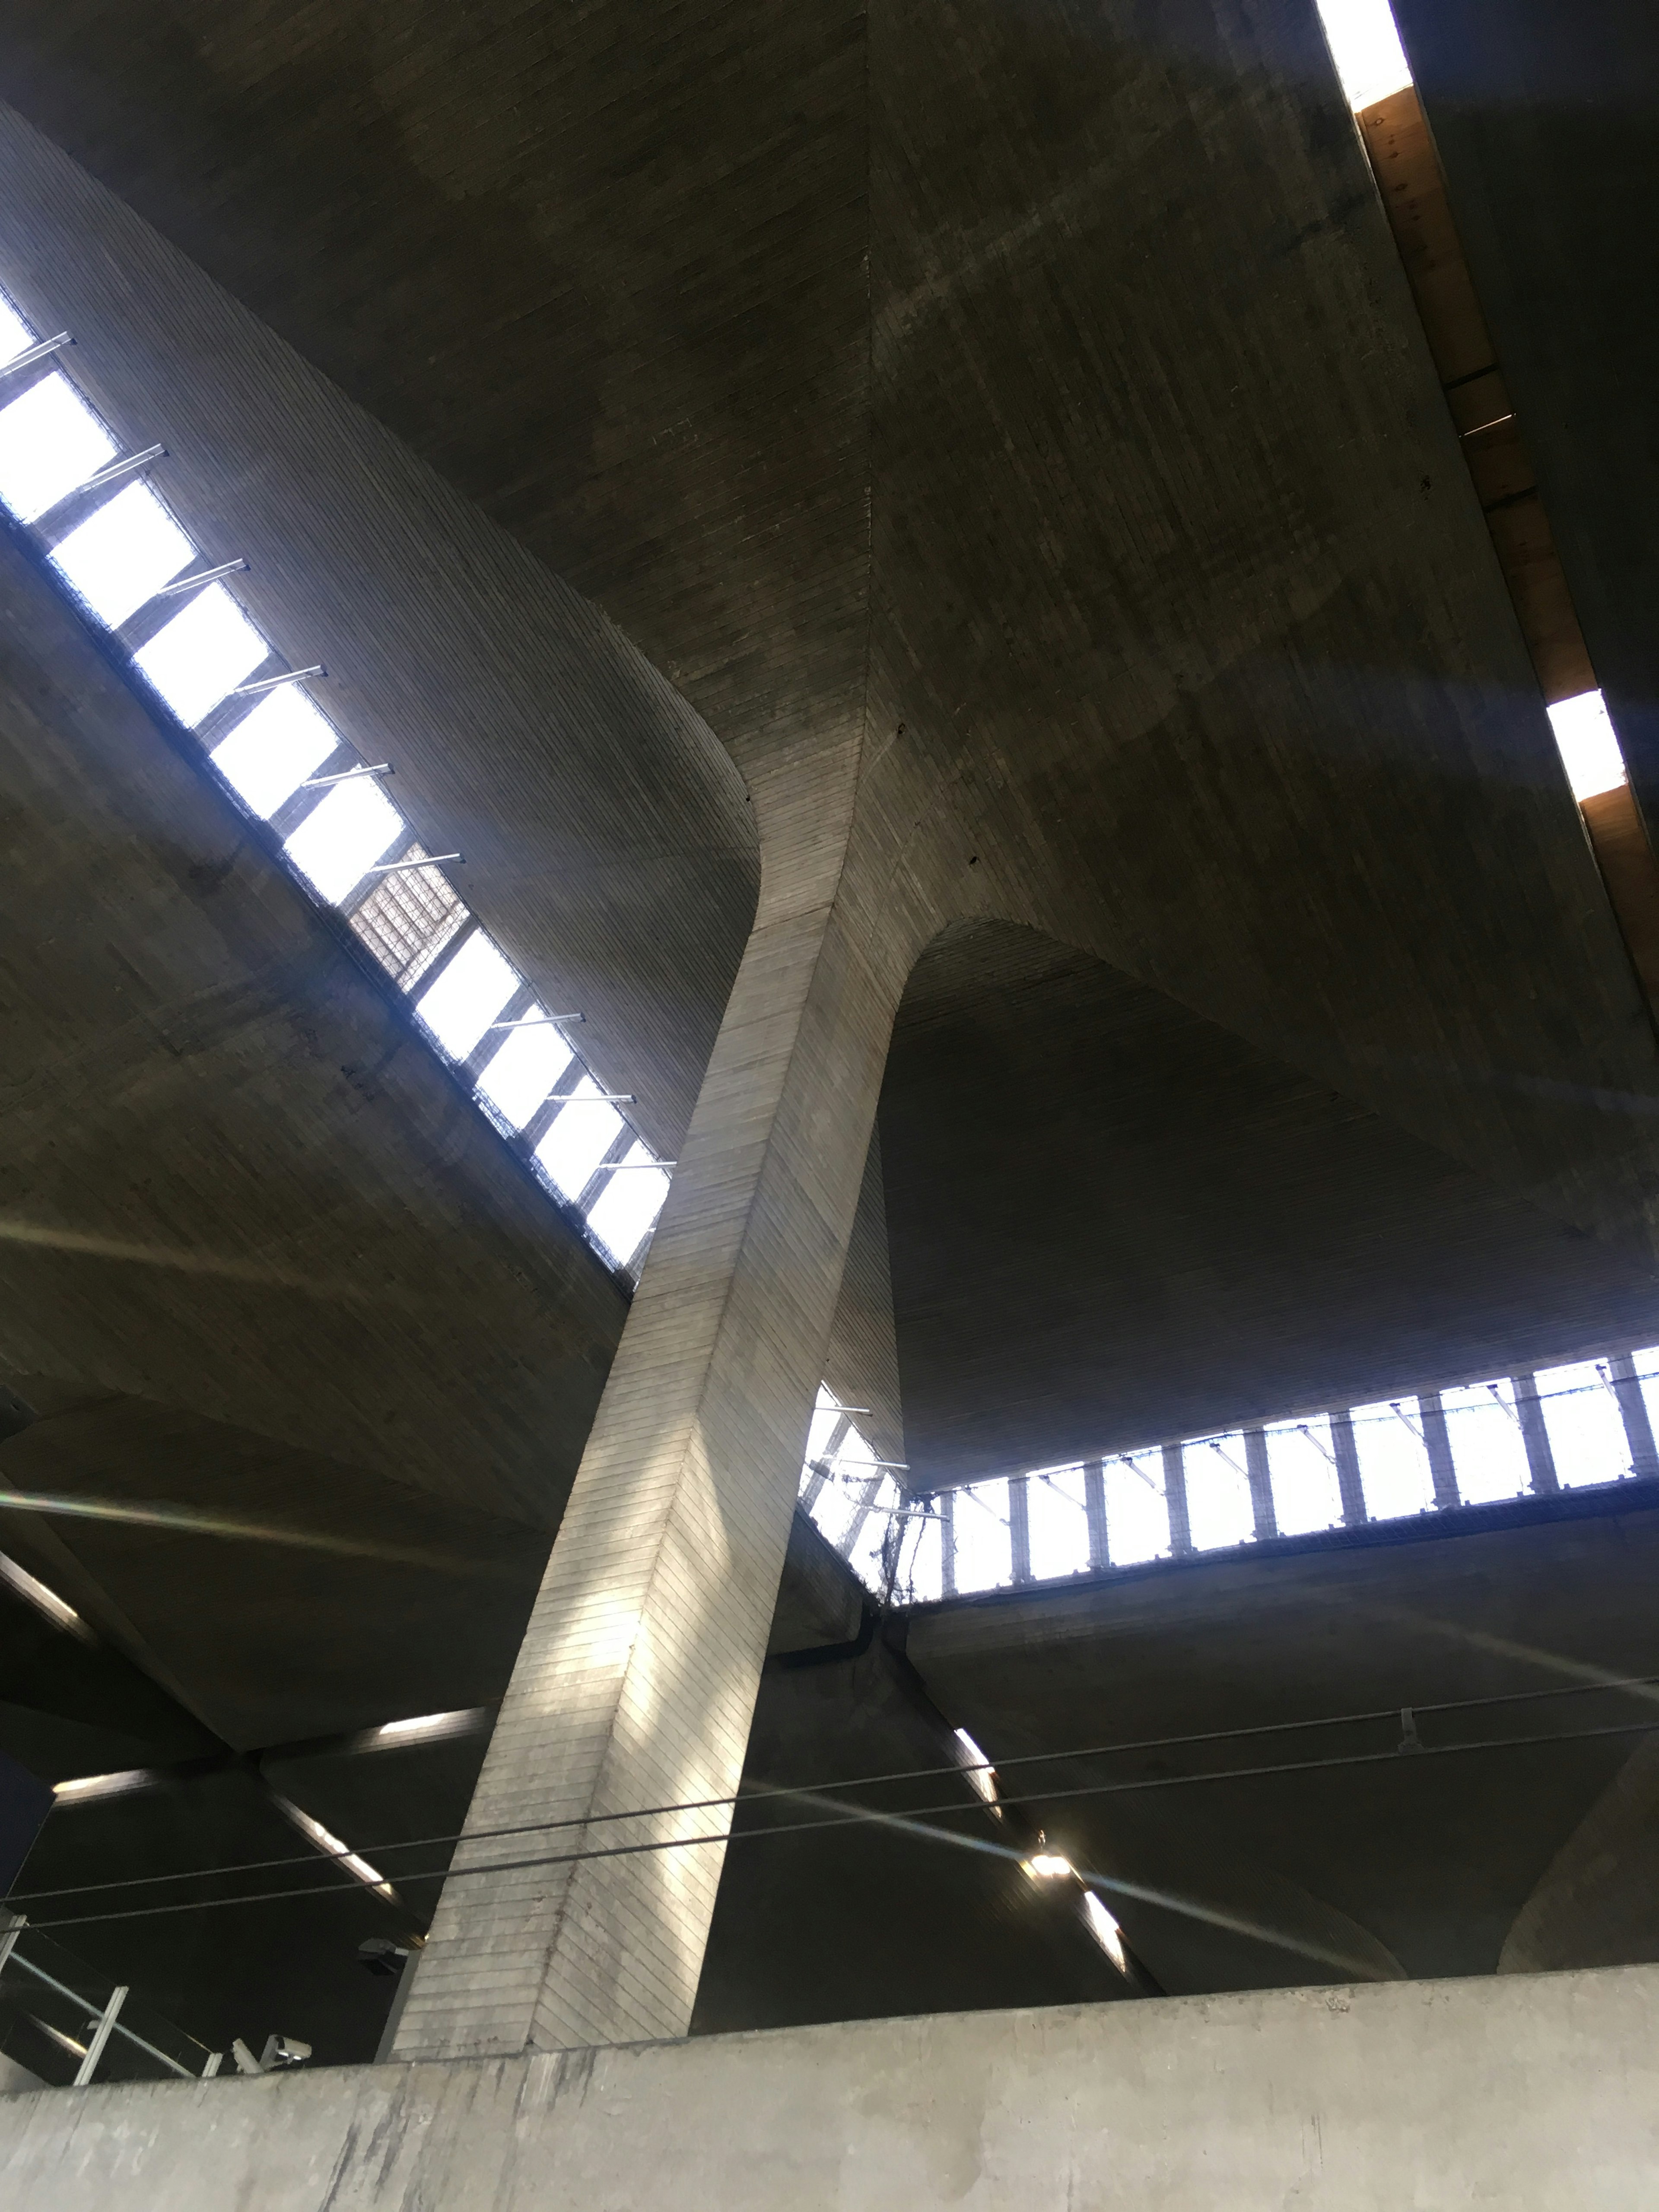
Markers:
{"x": 1536, "y": 2093}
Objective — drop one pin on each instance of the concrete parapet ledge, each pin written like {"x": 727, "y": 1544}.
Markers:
{"x": 1535, "y": 2092}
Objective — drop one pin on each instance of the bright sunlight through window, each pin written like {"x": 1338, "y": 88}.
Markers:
{"x": 50, "y": 442}
{"x": 621, "y": 1214}
{"x": 467, "y": 996}
{"x": 340, "y": 841}
{"x": 271, "y": 751}
{"x": 120, "y": 556}
{"x": 1365, "y": 46}
{"x": 518, "y": 1076}
{"x": 1590, "y": 750}
{"x": 202, "y": 654}
{"x": 581, "y": 1136}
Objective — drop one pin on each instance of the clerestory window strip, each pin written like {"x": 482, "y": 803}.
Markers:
{"x": 1586, "y": 1424}
{"x": 124, "y": 559}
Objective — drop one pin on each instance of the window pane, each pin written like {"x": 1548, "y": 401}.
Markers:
{"x": 920, "y": 1575}
{"x": 579, "y": 1139}
{"x": 520, "y": 1075}
{"x": 1587, "y": 1436}
{"x": 825, "y": 1414}
{"x": 271, "y": 751}
{"x": 1219, "y": 1494}
{"x": 1394, "y": 1461}
{"x": 1488, "y": 1453}
{"x": 409, "y": 918}
{"x": 1305, "y": 1492}
{"x": 1589, "y": 748}
{"x": 468, "y": 995}
{"x": 122, "y": 555}
{"x": 623, "y": 1215}
{"x": 1059, "y": 1522}
{"x": 851, "y": 1473}
{"x": 15, "y": 336}
{"x": 50, "y": 442}
{"x": 202, "y": 654}
{"x": 1137, "y": 1512}
{"x": 984, "y": 1549}
{"x": 345, "y": 835}
{"x": 1366, "y": 49}
{"x": 867, "y": 1556}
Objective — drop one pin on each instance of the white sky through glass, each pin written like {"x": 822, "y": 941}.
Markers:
{"x": 1306, "y": 1495}
{"x": 1586, "y": 1433}
{"x": 1218, "y": 1494}
{"x": 518, "y": 1076}
{"x": 1364, "y": 43}
{"x": 1589, "y": 749}
{"x": 580, "y": 1138}
{"x": 122, "y": 555}
{"x": 50, "y": 442}
{"x": 1393, "y": 1462}
{"x": 202, "y": 654}
{"x": 271, "y": 751}
{"x": 1059, "y": 1522}
{"x": 620, "y": 1216}
{"x": 1137, "y": 1516}
{"x": 468, "y": 994}
{"x": 345, "y": 835}
{"x": 1488, "y": 1453}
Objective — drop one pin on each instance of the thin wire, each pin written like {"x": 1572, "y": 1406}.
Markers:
{"x": 855, "y": 1816}
{"x": 1391, "y": 1714}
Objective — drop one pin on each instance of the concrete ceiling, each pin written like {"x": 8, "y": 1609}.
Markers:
{"x": 617, "y": 399}
{"x": 1132, "y": 1225}
{"x": 1037, "y": 400}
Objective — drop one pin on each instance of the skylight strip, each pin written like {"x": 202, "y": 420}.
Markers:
{"x": 1589, "y": 749}
{"x": 130, "y": 551}
{"x": 1364, "y": 43}
{"x": 45, "y": 1601}
{"x": 332, "y": 1847}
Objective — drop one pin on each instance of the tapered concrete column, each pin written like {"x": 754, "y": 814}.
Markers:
{"x": 1174, "y": 1498}
{"x": 637, "y": 1680}
{"x": 1094, "y": 1505}
{"x": 1261, "y": 1481}
{"x": 1540, "y": 1460}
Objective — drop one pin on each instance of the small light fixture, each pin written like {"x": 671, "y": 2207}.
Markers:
{"x": 979, "y": 1773}
{"x": 1048, "y": 1866}
{"x": 43, "y": 1601}
{"x": 332, "y": 1847}
{"x": 85, "y": 1788}
{"x": 1105, "y": 1930}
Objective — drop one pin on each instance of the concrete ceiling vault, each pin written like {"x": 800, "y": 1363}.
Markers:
{"x": 1033, "y": 401}
{"x": 650, "y": 414}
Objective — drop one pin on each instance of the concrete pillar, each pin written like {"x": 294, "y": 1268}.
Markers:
{"x": 1094, "y": 1505}
{"x": 1345, "y": 1453}
{"x": 1019, "y": 1526}
{"x": 1175, "y": 1499}
{"x": 1260, "y": 1478}
{"x": 636, "y": 1681}
{"x": 1632, "y": 1407}
{"x": 1540, "y": 1460}
{"x": 1437, "y": 1443}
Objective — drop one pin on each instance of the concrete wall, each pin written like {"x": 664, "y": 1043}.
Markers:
{"x": 1536, "y": 2093}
